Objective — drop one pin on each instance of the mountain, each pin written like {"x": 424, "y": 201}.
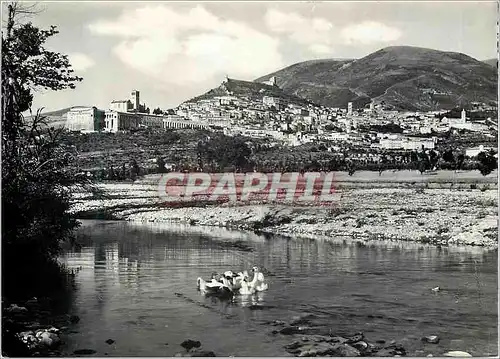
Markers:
{"x": 249, "y": 89}
{"x": 400, "y": 77}
{"x": 491, "y": 62}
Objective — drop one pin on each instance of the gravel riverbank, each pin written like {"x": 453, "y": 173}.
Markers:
{"x": 447, "y": 208}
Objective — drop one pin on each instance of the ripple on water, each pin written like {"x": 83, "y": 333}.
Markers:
{"x": 127, "y": 285}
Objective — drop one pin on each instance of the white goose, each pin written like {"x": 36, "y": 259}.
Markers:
{"x": 257, "y": 282}
{"x": 245, "y": 287}
{"x": 209, "y": 287}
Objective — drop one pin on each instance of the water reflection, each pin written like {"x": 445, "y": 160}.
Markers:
{"x": 130, "y": 273}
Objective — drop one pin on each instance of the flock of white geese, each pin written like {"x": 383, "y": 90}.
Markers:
{"x": 230, "y": 283}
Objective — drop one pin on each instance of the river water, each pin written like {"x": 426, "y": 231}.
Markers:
{"x": 129, "y": 274}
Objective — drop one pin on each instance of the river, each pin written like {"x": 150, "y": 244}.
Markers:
{"x": 129, "y": 274}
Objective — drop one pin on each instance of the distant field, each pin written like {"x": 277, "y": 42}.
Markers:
{"x": 415, "y": 176}
{"x": 404, "y": 176}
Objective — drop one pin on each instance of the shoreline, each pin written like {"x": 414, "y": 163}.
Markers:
{"x": 458, "y": 211}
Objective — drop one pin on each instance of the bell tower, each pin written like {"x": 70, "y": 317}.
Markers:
{"x": 135, "y": 99}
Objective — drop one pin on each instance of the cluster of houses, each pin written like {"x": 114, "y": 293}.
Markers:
{"x": 277, "y": 119}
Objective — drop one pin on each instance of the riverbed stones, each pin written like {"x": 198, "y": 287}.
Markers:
{"x": 14, "y": 308}
{"x": 48, "y": 339}
{"x": 330, "y": 345}
{"x": 41, "y": 339}
{"x": 317, "y": 345}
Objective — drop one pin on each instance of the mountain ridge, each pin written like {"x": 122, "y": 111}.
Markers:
{"x": 400, "y": 77}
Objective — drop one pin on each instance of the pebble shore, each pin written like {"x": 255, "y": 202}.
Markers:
{"x": 439, "y": 212}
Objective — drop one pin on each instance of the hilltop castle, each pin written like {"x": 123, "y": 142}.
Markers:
{"x": 271, "y": 82}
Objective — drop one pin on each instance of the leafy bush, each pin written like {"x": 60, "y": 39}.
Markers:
{"x": 36, "y": 178}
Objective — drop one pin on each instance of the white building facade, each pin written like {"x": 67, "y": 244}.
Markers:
{"x": 116, "y": 121}
{"x": 85, "y": 119}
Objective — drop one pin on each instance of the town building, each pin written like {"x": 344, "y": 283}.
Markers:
{"x": 349, "y": 109}
{"x": 169, "y": 123}
{"x": 121, "y": 106}
{"x": 277, "y": 102}
{"x": 406, "y": 143}
{"x": 151, "y": 121}
{"x": 85, "y": 119}
{"x": 135, "y": 100}
{"x": 474, "y": 151}
{"x": 116, "y": 121}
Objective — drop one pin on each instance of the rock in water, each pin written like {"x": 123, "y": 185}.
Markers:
{"x": 457, "y": 354}
{"x": 355, "y": 338}
{"x": 110, "y": 341}
{"x": 190, "y": 344}
{"x": 345, "y": 350}
{"x": 361, "y": 346}
{"x": 391, "y": 350}
{"x": 14, "y": 308}
{"x": 433, "y": 339}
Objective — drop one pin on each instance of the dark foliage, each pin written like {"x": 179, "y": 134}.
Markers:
{"x": 220, "y": 153}
{"x": 487, "y": 162}
{"x": 36, "y": 179}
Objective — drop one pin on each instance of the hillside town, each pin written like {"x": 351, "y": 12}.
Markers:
{"x": 288, "y": 121}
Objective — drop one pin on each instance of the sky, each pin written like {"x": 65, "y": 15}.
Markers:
{"x": 173, "y": 51}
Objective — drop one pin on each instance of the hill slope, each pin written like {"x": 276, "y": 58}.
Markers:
{"x": 401, "y": 77}
{"x": 252, "y": 90}
{"x": 491, "y": 62}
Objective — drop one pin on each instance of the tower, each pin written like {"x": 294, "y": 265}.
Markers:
{"x": 463, "y": 116}
{"x": 349, "y": 108}
{"x": 135, "y": 99}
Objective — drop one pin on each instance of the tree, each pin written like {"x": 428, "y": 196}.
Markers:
{"x": 160, "y": 163}
{"x": 460, "y": 161}
{"x": 134, "y": 170}
{"x": 36, "y": 171}
{"x": 424, "y": 163}
{"x": 487, "y": 162}
{"x": 219, "y": 151}
{"x": 157, "y": 111}
{"x": 351, "y": 167}
{"x": 448, "y": 156}
{"x": 433, "y": 159}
